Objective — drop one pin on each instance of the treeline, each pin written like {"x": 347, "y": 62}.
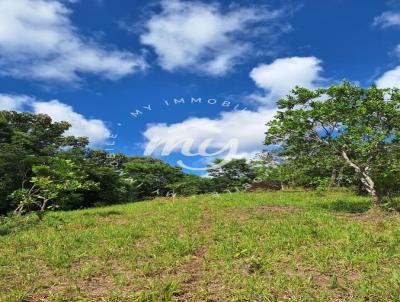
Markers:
{"x": 341, "y": 136}
{"x": 41, "y": 168}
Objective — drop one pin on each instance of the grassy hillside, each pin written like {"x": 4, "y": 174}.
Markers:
{"x": 278, "y": 246}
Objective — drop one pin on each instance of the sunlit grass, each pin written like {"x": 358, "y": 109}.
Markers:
{"x": 278, "y": 246}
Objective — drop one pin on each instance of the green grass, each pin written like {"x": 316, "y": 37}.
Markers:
{"x": 278, "y": 246}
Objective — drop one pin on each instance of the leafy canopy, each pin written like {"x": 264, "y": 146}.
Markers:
{"x": 347, "y": 123}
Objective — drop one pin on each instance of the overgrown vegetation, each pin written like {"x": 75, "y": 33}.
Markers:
{"x": 41, "y": 168}
{"x": 325, "y": 244}
{"x": 352, "y": 132}
{"x": 276, "y": 246}
{"x": 341, "y": 136}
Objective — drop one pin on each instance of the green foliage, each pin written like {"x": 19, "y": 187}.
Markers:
{"x": 339, "y": 126}
{"x": 41, "y": 168}
{"x": 106, "y": 170}
{"x": 268, "y": 166}
{"x": 230, "y": 176}
{"x": 27, "y": 140}
{"x": 343, "y": 135}
{"x": 151, "y": 177}
{"x": 49, "y": 182}
{"x": 190, "y": 185}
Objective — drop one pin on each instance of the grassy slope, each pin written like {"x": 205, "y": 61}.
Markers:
{"x": 278, "y": 246}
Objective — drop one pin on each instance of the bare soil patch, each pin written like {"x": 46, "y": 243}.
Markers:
{"x": 193, "y": 271}
{"x": 370, "y": 216}
{"x": 273, "y": 208}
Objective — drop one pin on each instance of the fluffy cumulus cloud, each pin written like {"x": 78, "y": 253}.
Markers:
{"x": 233, "y": 134}
{"x": 94, "y": 129}
{"x": 240, "y": 131}
{"x": 387, "y": 19}
{"x": 201, "y": 37}
{"x": 278, "y": 78}
{"x": 14, "y": 102}
{"x": 38, "y": 41}
{"x": 389, "y": 79}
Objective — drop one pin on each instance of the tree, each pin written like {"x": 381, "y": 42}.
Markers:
{"x": 106, "y": 170}
{"x": 26, "y": 139}
{"x": 190, "y": 185}
{"x": 49, "y": 182}
{"x": 41, "y": 167}
{"x": 266, "y": 165}
{"x": 345, "y": 123}
{"x": 150, "y": 177}
{"x": 231, "y": 175}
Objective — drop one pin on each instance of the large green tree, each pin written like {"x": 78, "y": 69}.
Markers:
{"x": 231, "y": 175}
{"x": 106, "y": 170}
{"x": 151, "y": 177}
{"x": 343, "y": 123}
{"x": 27, "y": 140}
{"x": 49, "y": 182}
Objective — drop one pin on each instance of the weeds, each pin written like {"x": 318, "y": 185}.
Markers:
{"x": 277, "y": 246}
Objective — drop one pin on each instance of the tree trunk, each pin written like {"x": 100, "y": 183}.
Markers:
{"x": 43, "y": 206}
{"x": 370, "y": 186}
{"x": 366, "y": 180}
{"x": 334, "y": 178}
{"x": 19, "y": 209}
{"x": 375, "y": 197}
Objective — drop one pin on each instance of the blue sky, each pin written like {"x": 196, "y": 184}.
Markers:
{"x": 95, "y": 62}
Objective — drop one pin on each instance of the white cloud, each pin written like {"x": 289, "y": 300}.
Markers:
{"x": 281, "y": 76}
{"x": 247, "y": 128}
{"x": 387, "y": 19}
{"x": 94, "y": 129}
{"x": 197, "y": 36}
{"x": 13, "y": 102}
{"x": 38, "y": 41}
{"x": 389, "y": 79}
